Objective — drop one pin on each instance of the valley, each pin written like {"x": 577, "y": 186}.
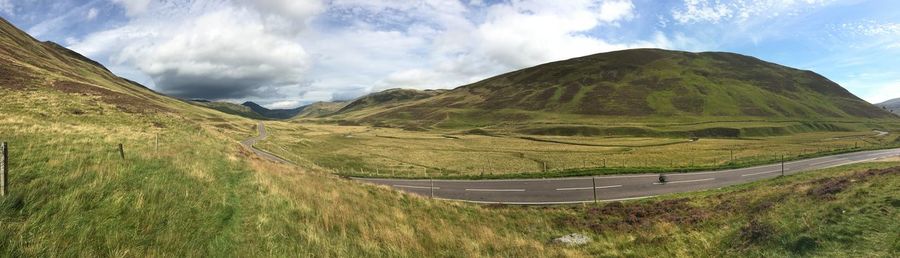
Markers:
{"x": 101, "y": 166}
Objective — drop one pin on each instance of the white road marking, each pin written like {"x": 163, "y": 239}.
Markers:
{"x": 760, "y": 173}
{"x": 417, "y": 187}
{"x": 495, "y": 190}
{"x": 685, "y": 181}
{"x": 549, "y": 203}
{"x": 587, "y": 188}
{"x": 820, "y": 163}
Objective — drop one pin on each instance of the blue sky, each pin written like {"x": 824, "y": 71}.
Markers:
{"x": 285, "y": 53}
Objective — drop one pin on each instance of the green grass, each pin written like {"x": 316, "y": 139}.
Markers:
{"x": 363, "y": 151}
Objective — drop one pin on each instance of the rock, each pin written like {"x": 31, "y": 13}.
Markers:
{"x": 574, "y": 239}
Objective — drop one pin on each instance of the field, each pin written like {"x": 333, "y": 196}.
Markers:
{"x": 200, "y": 194}
{"x": 499, "y": 153}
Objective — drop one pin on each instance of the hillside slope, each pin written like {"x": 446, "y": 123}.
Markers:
{"x": 229, "y": 108}
{"x": 891, "y": 105}
{"x": 321, "y": 108}
{"x": 387, "y": 98}
{"x": 641, "y": 83}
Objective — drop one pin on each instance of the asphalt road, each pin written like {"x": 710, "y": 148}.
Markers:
{"x": 609, "y": 188}
{"x": 253, "y": 140}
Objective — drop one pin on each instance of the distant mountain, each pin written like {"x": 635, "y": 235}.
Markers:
{"x": 631, "y": 83}
{"x": 321, "y": 108}
{"x": 891, "y": 105}
{"x": 388, "y": 97}
{"x": 229, "y": 108}
{"x": 273, "y": 113}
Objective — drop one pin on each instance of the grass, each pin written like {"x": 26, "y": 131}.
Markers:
{"x": 364, "y": 151}
{"x": 202, "y": 195}
{"x": 199, "y": 193}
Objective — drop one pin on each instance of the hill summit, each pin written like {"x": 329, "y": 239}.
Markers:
{"x": 645, "y": 83}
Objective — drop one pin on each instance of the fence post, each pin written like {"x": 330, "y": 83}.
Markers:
{"x": 4, "y": 168}
{"x": 432, "y": 188}
{"x": 594, "y": 184}
{"x": 782, "y": 164}
{"x": 121, "y": 151}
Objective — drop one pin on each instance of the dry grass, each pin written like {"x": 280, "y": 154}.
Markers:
{"x": 393, "y": 152}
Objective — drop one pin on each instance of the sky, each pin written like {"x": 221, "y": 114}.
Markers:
{"x": 287, "y": 53}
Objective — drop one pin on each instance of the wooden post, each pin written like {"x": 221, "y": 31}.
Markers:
{"x": 732, "y": 155}
{"x": 782, "y": 164}
{"x": 157, "y": 143}
{"x": 4, "y": 169}
{"x": 594, "y": 184}
{"x": 121, "y": 151}
{"x": 432, "y": 188}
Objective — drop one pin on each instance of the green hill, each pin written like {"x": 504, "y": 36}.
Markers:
{"x": 321, "y": 108}
{"x": 388, "y": 98}
{"x": 637, "y": 84}
{"x": 229, "y": 108}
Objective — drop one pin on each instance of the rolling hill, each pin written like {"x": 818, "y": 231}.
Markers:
{"x": 891, "y": 105}
{"x": 638, "y": 84}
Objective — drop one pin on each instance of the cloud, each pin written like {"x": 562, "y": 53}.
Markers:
{"x": 91, "y": 14}
{"x": 716, "y": 11}
{"x": 281, "y": 53}
{"x": 7, "y": 7}
{"x": 510, "y": 36}
{"x": 133, "y": 7}
{"x": 213, "y": 52}
{"x": 872, "y": 28}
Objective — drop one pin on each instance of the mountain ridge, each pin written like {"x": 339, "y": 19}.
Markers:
{"x": 638, "y": 83}
{"x": 892, "y": 105}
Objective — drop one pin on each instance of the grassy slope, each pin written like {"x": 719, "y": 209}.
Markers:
{"x": 199, "y": 194}
{"x": 650, "y": 84}
{"x": 321, "y": 108}
{"x": 230, "y": 108}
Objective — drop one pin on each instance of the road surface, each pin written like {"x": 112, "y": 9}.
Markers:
{"x": 253, "y": 140}
{"x": 614, "y": 187}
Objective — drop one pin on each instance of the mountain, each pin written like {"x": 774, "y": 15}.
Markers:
{"x": 229, "y": 108}
{"x": 321, "y": 108}
{"x": 388, "y": 97}
{"x": 637, "y": 83}
{"x": 273, "y": 113}
{"x": 891, "y": 105}
{"x": 61, "y": 81}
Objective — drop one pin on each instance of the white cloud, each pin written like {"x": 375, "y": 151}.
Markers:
{"x": 881, "y": 92}
{"x": 611, "y": 11}
{"x": 702, "y": 11}
{"x": 7, "y": 7}
{"x": 92, "y": 14}
{"x": 285, "y": 104}
{"x": 209, "y": 51}
{"x": 716, "y": 11}
{"x": 133, "y": 7}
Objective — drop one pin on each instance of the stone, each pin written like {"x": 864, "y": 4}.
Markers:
{"x": 574, "y": 239}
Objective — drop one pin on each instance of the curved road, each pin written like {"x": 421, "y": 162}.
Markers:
{"x": 262, "y": 135}
{"x": 604, "y": 188}
{"x": 614, "y": 187}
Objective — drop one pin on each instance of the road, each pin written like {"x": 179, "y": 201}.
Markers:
{"x": 609, "y": 188}
{"x": 584, "y": 189}
{"x": 262, "y": 135}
